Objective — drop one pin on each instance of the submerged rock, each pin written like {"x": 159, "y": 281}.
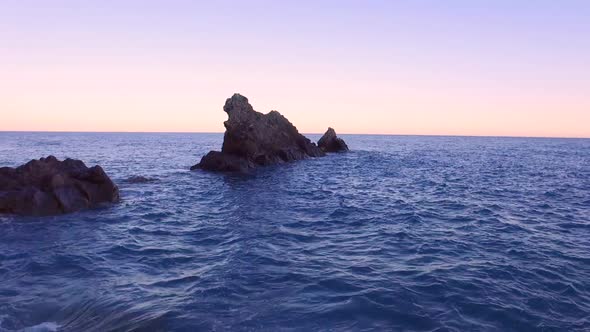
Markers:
{"x": 252, "y": 138}
{"x": 48, "y": 186}
{"x": 332, "y": 143}
{"x": 140, "y": 179}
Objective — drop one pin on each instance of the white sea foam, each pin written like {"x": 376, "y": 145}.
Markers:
{"x": 43, "y": 327}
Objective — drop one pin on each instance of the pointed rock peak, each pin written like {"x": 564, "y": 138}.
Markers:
{"x": 332, "y": 143}
{"x": 237, "y": 103}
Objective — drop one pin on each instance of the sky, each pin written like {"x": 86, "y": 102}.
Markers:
{"x": 492, "y": 68}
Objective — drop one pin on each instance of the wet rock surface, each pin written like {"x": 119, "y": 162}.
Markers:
{"x": 223, "y": 162}
{"x": 330, "y": 142}
{"x": 49, "y": 187}
{"x": 254, "y": 139}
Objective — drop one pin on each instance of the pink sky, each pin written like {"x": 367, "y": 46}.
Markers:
{"x": 360, "y": 67}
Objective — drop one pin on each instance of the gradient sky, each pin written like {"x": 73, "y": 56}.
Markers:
{"x": 516, "y": 68}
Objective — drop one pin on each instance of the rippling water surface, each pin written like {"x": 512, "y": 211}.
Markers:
{"x": 402, "y": 233}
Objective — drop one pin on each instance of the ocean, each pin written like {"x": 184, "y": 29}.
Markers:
{"x": 403, "y": 233}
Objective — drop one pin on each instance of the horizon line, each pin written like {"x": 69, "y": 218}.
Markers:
{"x": 217, "y": 132}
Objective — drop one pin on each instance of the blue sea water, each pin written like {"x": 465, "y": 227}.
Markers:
{"x": 403, "y": 233}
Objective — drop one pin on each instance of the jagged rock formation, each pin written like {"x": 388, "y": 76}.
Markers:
{"x": 48, "y": 186}
{"x": 252, "y": 138}
{"x": 332, "y": 143}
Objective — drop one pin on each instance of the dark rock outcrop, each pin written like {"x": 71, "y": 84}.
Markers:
{"x": 332, "y": 143}
{"x": 48, "y": 186}
{"x": 252, "y": 139}
{"x": 224, "y": 162}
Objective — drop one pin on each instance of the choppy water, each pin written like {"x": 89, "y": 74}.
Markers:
{"x": 402, "y": 233}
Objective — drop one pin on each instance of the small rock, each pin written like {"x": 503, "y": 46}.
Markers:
{"x": 332, "y": 143}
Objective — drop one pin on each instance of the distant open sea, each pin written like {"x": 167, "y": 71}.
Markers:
{"x": 404, "y": 233}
